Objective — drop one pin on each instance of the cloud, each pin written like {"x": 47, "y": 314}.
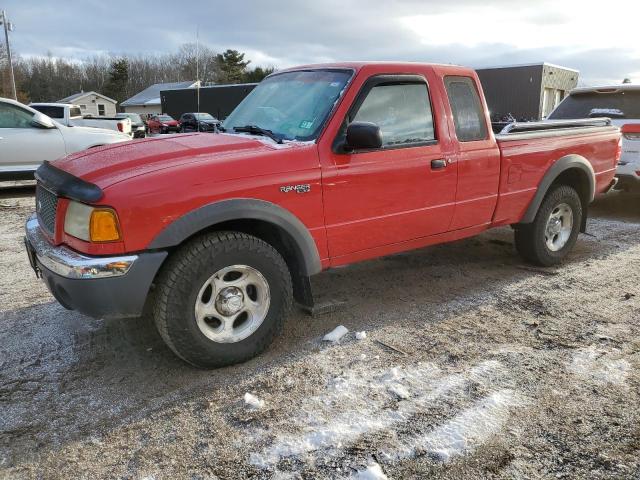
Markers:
{"x": 598, "y": 42}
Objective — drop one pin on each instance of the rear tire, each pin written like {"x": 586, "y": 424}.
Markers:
{"x": 549, "y": 239}
{"x": 222, "y": 298}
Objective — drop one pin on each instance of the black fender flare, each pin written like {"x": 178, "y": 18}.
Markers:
{"x": 561, "y": 165}
{"x": 243, "y": 209}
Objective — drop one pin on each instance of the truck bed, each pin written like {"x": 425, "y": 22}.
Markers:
{"x": 529, "y": 149}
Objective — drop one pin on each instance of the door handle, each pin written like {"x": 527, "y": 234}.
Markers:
{"x": 438, "y": 164}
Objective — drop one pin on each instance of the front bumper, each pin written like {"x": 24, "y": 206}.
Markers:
{"x": 100, "y": 287}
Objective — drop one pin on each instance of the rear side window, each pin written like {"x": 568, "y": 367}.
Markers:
{"x": 618, "y": 104}
{"x": 50, "y": 110}
{"x": 402, "y": 111}
{"x": 468, "y": 115}
{"x": 75, "y": 112}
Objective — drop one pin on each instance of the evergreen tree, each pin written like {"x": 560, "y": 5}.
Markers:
{"x": 231, "y": 66}
{"x": 116, "y": 86}
{"x": 257, "y": 74}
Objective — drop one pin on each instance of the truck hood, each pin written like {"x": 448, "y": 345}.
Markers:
{"x": 105, "y": 166}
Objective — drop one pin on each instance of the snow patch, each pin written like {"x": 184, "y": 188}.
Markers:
{"x": 361, "y": 335}
{"x": 464, "y": 432}
{"x": 336, "y": 334}
{"x": 372, "y": 472}
{"x": 606, "y": 112}
{"x": 252, "y": 401}
{"x": 598, "y": 365}
{"x": 399, "y": 391}
{"x": 357, "y": 404}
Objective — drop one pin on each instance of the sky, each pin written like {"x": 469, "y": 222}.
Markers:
{"x": 598, "y": 38}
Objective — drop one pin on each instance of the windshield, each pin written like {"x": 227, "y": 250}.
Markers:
{"x": 293, "y": 105}
{"x": 203, "y": 116}
{"x": 618, "y": 104}
{"x": 165, "y": 118}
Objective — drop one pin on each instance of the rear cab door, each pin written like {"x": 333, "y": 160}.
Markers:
{"x": 477, "y": 153}
{"x": 401, "y": 192}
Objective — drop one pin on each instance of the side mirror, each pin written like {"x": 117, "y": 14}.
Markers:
{"x": 42, "y": 121}
{"x": 363, "y": 135}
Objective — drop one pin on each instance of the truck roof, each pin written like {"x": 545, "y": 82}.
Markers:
{"x": 606, "y": 88}
{"x": 391, "y": 66}
{"x": 53, "y": 104}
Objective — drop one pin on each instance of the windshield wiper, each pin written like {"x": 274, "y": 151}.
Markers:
{"x": 256, "y": 130}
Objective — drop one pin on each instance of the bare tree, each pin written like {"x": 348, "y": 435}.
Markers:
{"x": 50, "y": 78}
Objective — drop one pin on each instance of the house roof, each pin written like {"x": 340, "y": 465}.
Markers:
{"x": 151, "y": 95}
{"x": 75, "y": 96}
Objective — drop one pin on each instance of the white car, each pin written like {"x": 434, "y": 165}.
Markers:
{"x": 28, "y": 137}
{"x": 621, "y": 103}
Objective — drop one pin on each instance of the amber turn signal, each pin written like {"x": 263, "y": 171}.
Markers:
{"x": 104, "y": 226}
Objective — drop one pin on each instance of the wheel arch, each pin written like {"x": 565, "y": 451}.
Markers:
{"x": 262, "y": 219}
{"x": 572, "y": 170}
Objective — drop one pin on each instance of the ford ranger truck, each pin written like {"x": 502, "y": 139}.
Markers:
{"x": 319, "y": 166}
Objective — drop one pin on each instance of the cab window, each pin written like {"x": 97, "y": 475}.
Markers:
{"x": 468, "y": 114}
{"x": 402, "y": 111}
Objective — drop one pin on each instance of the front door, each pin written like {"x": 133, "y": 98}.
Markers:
{"x": 401, "y": 192}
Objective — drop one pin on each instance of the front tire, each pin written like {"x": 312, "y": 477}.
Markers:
{"x": 549, "y": 239}
{"x": 222, "y": 298}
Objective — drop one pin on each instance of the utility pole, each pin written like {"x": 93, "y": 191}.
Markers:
{"x": 198, "y": 73}
{"x": 8, "y": 27}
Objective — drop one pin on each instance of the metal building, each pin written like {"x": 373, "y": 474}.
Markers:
{"x": 217, "y": 100}
{"x": 525, "y": 92}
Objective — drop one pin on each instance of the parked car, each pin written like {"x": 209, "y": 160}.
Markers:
{"x": 319, "y": 167}
{"x": 138, "y": 126}
{"x": 198, "y": 122}
{"x": 622, "y": 104}
{"x": 162, "y": 124}
{"x": 28, "y": 137}
{"x": 71, "y": 116}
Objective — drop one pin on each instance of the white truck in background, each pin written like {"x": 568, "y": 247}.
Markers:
{"x": 71, "y": 116}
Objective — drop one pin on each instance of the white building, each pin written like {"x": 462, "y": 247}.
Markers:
{"x": 148, "y": 100}
{"x": 92, "y": 103}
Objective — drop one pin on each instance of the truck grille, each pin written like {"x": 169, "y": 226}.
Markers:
{"x": 46, "y": 207}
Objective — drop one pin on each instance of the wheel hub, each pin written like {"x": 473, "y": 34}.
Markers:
{"x": 559, "y": 227}
{"x": 555, "y": 225}
{"x": 229, "y": 301}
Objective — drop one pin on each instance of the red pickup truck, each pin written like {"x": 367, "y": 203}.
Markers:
{"x": 320, "y": 166}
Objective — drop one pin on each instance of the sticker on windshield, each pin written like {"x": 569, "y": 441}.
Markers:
{"x": 306, "y": 124}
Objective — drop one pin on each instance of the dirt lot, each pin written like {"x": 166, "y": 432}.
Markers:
{"x": 500, "y": 371}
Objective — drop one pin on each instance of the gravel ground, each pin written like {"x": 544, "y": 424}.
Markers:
{"x": 473, "y": 366}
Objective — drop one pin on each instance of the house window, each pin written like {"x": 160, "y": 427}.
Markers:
{"x": 83, "y": 107}
{"x": 101, "y": 109}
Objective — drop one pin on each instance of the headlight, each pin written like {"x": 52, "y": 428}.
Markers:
{"x": 91, "y": 224}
